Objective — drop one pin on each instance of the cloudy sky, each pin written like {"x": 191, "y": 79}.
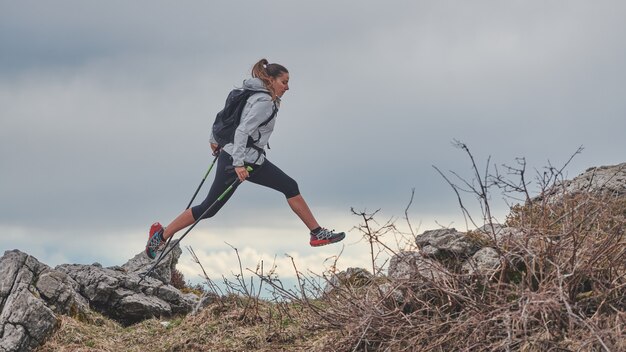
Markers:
{"x": 105, "y": 109}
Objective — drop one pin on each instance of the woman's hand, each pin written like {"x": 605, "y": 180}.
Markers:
{"x": 242, "y": 173}
{"x": 215, "y": 148}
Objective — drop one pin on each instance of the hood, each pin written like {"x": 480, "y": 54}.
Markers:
{"x": 254, "y": 84}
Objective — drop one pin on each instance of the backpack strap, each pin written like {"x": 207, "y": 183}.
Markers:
{"x": 252, "y": 143}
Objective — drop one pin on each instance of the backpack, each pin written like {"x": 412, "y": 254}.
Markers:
{"x": 227, "y": 120}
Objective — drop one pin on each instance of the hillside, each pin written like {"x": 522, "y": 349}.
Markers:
{"x": 550, "y": 277}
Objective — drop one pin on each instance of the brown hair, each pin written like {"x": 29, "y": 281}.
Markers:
{"x": 266, "y": 71}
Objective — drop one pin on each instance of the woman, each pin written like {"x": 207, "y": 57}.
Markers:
{"x": 271, "y": 81}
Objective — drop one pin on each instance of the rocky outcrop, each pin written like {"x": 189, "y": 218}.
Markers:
{"x": 606, "y": 180}
{"x": 32, "y": 295}
{"x": 140, "y": 263}
{"x": 353, "y": 277}
{"x": 122, "y": 297}
{"x": 447, "y": 250}
{"x": 446, "y": 243}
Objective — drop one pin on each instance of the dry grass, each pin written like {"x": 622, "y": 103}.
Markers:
{"x": 227, "y": 325}
{"x": 561, "y": 286}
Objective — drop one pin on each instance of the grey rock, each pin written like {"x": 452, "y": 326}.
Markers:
{"x": 485, "y": 262}
{"x": 413, "y": 266}
{"x": 391, "y": 293}
{"x": 605, "y": 180}
{"x": 121, "y": 296}
{"x": 353, "y": 277}
{"x": 31, "y": 296}
{"x": 501, "y": 233}
{"x": 206, "y": 299}
{"x": 446, "y": 242}
{"x": 140, "y": 263}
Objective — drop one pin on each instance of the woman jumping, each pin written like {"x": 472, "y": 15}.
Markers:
{"x": 269, "y": 82}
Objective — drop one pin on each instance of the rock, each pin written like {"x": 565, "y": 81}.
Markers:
{"x": 391, "y": 293}
{"x": 121, "y": 296}
{"x": 605, "y": 179}
{"x": 413, "y": 266}
{"x": 445, "y": 243}
{"x": 485, "y": 262}
{"x": 31, "y": 295}
{"x": 206, "y": 299}
{"x": 502, "y": 233}
{"x": 140, "y": 263}
{"x": 353, "y": 277}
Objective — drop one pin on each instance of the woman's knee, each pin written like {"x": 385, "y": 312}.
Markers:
{"x": 291, "y": 188}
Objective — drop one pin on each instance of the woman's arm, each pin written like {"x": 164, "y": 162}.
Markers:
{"x": 258, "y": 109}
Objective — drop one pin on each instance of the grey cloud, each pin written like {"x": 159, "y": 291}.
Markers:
{"x": 105, "y": 108}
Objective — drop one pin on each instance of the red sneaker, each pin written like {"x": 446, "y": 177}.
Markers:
{"x": 325, "y": 236}
{"x": 155, "y": 240}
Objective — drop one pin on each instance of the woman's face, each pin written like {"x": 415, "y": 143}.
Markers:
{"x": 280, "y": 84}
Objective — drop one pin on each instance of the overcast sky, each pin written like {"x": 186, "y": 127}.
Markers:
{"x": 105, "y": 110}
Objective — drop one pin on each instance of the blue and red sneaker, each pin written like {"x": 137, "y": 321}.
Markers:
{"x": 324, "y": 236}
{"x": 155, "y": 240}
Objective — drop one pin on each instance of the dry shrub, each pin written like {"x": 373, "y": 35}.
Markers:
{"x": 561, "y": 286}
{"x": 178, "y": 279}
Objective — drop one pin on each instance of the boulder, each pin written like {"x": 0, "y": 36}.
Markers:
{"x": 485, "y": 262}
{"x": 409, "y": 265}
{"x": 31, "y": 296}
{"x": 604, "y": 180}
{"x": 126, "y": 298}
{"x": 502, "y": 234}
{"x": 352, "y": 277}
{"x": 140, "y": 263}
{"x": 443, "y": 243}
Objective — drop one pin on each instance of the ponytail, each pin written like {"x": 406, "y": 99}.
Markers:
{"x": 266, "y": 71}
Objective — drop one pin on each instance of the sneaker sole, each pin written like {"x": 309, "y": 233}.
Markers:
{"x": 148, "y": 253}
{"x": 319, "y": 243}
{"x": 155, "y": 228}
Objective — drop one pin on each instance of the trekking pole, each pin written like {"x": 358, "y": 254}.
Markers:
{"x": 219, "y": 199}
{"x": 202, "y": 182}
{"x": 189, "y": 205}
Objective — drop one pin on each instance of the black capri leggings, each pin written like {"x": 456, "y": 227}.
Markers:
{"x": 266, "y": 174}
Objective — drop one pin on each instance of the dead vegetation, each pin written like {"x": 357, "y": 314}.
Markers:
{"x": 560, "y": 286}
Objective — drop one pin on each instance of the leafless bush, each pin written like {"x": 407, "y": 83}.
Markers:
{"x": 178, "y": 279}
{"x": 560, "y": 286}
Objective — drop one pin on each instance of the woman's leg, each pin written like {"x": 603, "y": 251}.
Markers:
{"x": 224, "y": 176}
{"x": 299, "y": 206}
{"x": 183, "y": 220}
{"x": 269, "y": 175}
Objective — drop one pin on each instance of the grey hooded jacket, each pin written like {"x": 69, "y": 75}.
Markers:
{"x": 258, "y": 109}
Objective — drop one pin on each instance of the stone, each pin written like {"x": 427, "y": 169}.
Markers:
{"x": 206, "y": 299}
{"x": 391, "y": 293}
{"x": 140, "y": 263}
{"x": 31, "y": 296}
{"x": 353, "y": 277}
{"x": 124, "y": 296}
{"x": 604, "y": 179}
{"x": 502, "y": 234}
{"x": 409, "y": 265}
{"x": 445, "y": 243}
{"x": 485, "y": 262}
